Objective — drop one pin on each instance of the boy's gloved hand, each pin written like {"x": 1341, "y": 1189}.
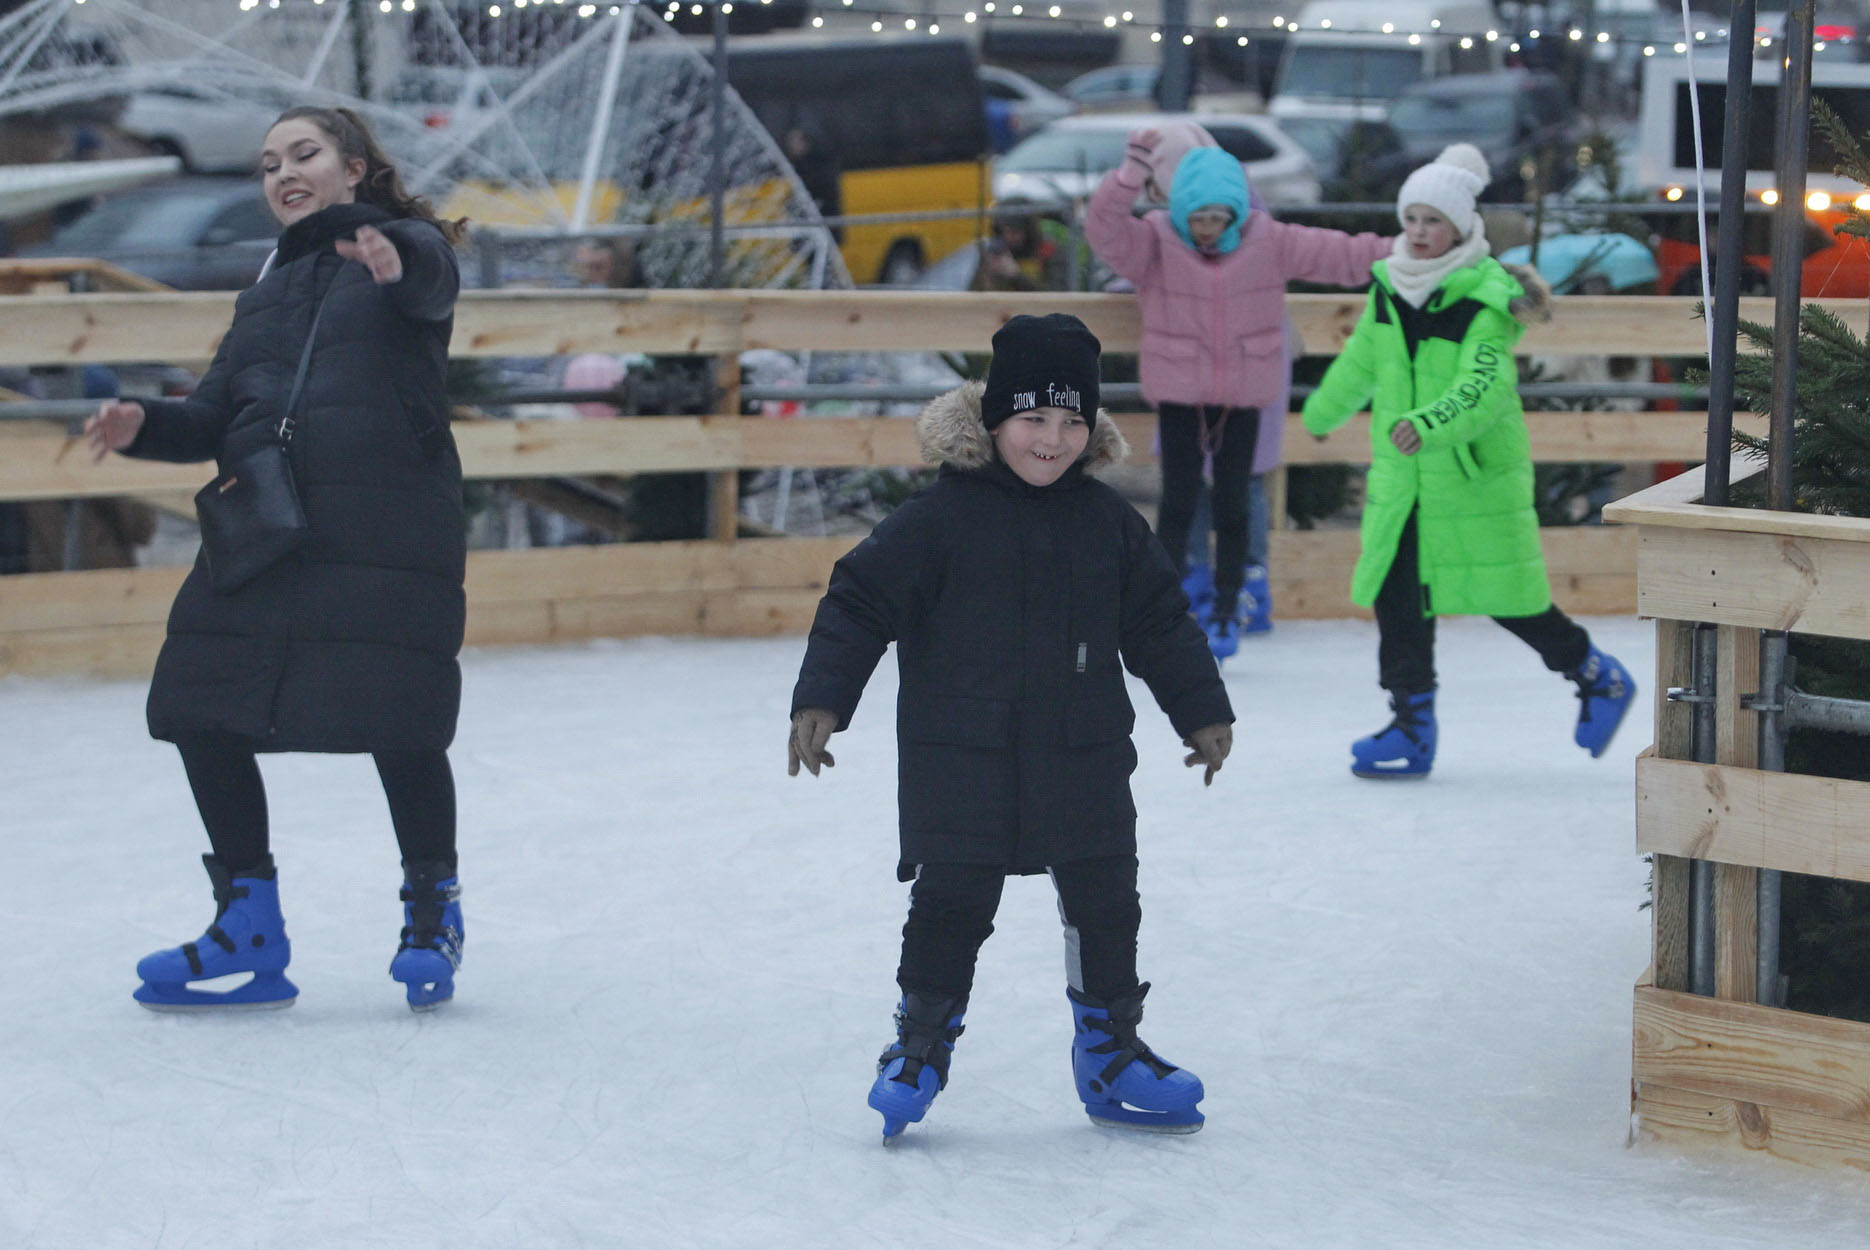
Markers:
{"x": 812, "y": 727}
{"x": 1210, "y": 745}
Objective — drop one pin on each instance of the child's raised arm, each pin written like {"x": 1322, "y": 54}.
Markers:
{"x": 1317, "y": 254}
{"x": 1122, "y": 240}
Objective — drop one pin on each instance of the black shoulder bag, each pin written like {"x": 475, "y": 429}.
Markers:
{"x": 251, "y": 515}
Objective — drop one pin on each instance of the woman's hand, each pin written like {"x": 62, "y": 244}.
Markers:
{"x": 374, "y": 252}
{"x": 113, "y": 427}
{"x": 1404, "y": 438}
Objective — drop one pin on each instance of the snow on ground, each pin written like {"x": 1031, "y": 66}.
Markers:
{"x": 1410, "y": 1003}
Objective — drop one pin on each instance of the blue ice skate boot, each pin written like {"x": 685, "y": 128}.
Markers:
{"x": 1256, "y": 601}
{"x": 1120, "y": 1079}
{"x": 1605, "y": 693}
{"x": 248, "y": 936}
{"x": 1405, "y": 748}
{"x": 1223, "y": 628}
{"x": 915, "y": 1069}
{"x": 433, "y": 933}
{"x": 1198, "y": 585}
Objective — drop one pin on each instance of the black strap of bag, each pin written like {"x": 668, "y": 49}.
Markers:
{"x": 251, "y": 516}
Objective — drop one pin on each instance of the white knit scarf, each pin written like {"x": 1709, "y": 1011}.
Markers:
{"x": 1416, "y": 280}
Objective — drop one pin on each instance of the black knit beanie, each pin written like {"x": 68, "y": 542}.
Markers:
{"x": 1041, "y": 362}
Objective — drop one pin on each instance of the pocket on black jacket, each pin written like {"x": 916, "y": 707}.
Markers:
{"x": 956, "y": 722}
{"x": 1104, "y": 718}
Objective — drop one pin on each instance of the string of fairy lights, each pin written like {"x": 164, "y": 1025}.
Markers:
{"x": 896, "y": 22}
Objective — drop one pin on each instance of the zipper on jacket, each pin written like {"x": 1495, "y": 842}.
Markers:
{"x": 1081, "y": 656}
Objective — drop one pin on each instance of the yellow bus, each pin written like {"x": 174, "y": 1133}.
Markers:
{"x": 876, "y": 126}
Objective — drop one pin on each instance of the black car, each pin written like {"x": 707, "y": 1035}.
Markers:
{"x": 1511, "y": 116}
{"x": 194, "y": 234}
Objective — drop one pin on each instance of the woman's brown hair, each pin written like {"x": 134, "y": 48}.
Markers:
{"x": 382, "y": 185}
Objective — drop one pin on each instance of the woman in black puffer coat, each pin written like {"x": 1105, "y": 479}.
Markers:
{"x": 349, "y": 643}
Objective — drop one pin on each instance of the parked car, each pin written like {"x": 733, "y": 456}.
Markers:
{"x": 1067, "y": 158}
{"x": 213, "y": 132}
{"x": 194, "y": 234}
{"x": 1114, "y": 87}
{"x": 1017, "y": 106}
{"x": 1355, "y": 159}
{"x": 1511, "y": 116}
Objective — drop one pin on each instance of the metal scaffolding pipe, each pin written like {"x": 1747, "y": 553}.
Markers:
{"x": 1725, "y": 314}
{"x": 1770, "y": 707}
{"x": 1795, "y": 108}
{"x": 1701, "y": 872}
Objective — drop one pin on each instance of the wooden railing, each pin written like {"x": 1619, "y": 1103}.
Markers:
{"x": 110, "y": 621}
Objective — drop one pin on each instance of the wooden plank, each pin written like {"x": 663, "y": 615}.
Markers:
{"x": 1669, "y": 922}
{"x": 1675, "y": 669}
{"x": 1747, "y": 816}
{"x": 1762, "y": 1055}
{"x": 91, "y": 598}
{"x": 100, "y": 651}
{"x": 1669, "y": 874}
{"x": 185, "y": 326}
{"x": 1736, "y": 932}
{"x": 1683, "y": 1120}
{"x": 1757, "y": 580}
{"x": 724, "y": 485}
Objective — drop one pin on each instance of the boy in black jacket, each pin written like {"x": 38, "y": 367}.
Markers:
{"x": 1016, "y": 589}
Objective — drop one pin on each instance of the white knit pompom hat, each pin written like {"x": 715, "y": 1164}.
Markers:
{"x": 1449, "y": 184}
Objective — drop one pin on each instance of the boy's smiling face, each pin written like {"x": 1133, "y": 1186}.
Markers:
{"x": 1039, "y": 444}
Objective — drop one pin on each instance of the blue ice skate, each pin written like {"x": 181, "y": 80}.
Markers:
{"x": 1405, "y": 748}
{"x": 1198, "y": 585}
{"x": 433, "y": 933}
{"x": 1605, "y": 693}
{"x": 248, "y": 936}
{"x": 915, "y": 1069}
{"x": 1223, "y": 628}
{"x": 1120, "y": 1079}
{"x": 1256, "y": 601}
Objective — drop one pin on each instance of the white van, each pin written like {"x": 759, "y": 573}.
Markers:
{"x": 1349, "y": 59}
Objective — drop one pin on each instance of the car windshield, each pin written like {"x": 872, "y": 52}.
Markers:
{"x": 1350, "y": 73}
{"x": 1322, "y": 138}
{"x": 1436, "y": 121}
{"x": 1067, "y": 151}
{"x": 138, "y": 221}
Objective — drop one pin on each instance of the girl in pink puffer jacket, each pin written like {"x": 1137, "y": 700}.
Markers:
{"x": 1211, "y": 277}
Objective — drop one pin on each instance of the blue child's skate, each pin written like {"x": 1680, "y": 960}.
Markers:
{"x": 1403, "y": 749}
{"x": 1121, "y": 1081}
{"x": 248, "y": 936}
{"x": 1605, "y": 693}
{"x": 1256, "y": 601}
{"x": 1223, "y": 628}
{"x": 433, "y": 934}
{"x": 915, "y": 1069}
{"x": 1198, "y": 585}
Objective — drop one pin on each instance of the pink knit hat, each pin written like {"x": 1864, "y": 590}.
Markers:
{"x": 1179, "y": 137}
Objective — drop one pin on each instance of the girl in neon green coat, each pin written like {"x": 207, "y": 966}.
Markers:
{"x": 1448, "y": 525}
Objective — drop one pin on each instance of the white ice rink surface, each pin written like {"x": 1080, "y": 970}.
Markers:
{"x": 1410, "y": 1002}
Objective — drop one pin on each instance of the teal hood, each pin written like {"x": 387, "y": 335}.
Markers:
{"x": 1209, "y": 176}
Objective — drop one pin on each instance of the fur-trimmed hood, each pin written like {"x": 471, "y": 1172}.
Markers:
{"x": 1535, "y": 306}
{"x": 950, "y": 431}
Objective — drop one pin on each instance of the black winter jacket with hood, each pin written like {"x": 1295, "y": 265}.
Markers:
{"x": 1014, "y": 610}
{"x": 348, "y": 644}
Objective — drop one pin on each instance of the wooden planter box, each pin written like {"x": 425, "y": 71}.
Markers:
{"x": 1724, "y": 1071}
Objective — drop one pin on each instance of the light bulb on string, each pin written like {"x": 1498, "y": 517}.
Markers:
{"x": 384, "y": 6}
{"x": 970, "y": 17}
{"x": 1128, "y": 16}
{"x": 1188, "y": 39}
{"x": 1053, "y": 11}
{"x": 817, "y": 22}
{"x": 1221, "y": 21}
{"x": 934, "y": 28}
{"x": 1155, "y": 36}
{"x": 1603, "y": 36}
{"x": 1415, "y": 41}
{"x": 876, "y": 28}
{"x": 909, "y": 23}
{"x": 1019, "y": 10}
{"x": 1241, "y": 42}
{"x": 1389, "y": 28}
{"x": 1109, "y": 21}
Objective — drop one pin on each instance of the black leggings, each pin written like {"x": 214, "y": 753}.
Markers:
{"x": 1232, "y": 433}
{"x": 225, "y": 777}
{"x": 951, "y": 909}
{"x": 1406, "y": 638}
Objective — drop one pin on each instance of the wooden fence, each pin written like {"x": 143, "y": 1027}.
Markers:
{"x": 110, "y": 621}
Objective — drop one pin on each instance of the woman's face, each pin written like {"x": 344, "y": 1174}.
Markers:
{"x": 1427, "y": 232}
{"x": 302, "y": 171}
{"x": 1039, "y": 444}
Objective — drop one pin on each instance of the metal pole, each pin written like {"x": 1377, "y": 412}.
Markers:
{"x": 1725, "y": 315}
{"x": 1770, "y": 708}
{"x": 1178, "y": 81}
{"x": 600, "y": 124}
{"x": 1795, "y": 106}
{"x": 360, "y": 48}
{"x": 1701, "y": 871}
{"x": 717, "y": 177}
